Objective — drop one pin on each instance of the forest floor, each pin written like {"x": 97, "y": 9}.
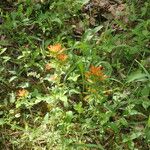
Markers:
{"x": 74, "y": 75}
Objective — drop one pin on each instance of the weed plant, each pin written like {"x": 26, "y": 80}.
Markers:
{"x": 67, "y": 83}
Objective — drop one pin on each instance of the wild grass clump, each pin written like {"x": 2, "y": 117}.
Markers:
{"x": 74, "y": 75}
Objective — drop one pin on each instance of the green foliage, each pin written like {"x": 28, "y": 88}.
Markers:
{"x": 63, "y": 91}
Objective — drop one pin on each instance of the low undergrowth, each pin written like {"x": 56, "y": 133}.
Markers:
{"x": 74, "y": 75}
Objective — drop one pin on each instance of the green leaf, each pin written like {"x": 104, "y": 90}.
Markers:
{"x": 147, "y": 133}
{"x": 135, "y": 135}
{"x": 2, "y": 50}
{"x": 4, "y": 43}
{"x": 69, "y": 116}
{"x": 137, "y": 76}
{"x": 12, "y": 97}
{"x": 73, "y": 77}
{"x": 145, "y": 91}
{"x": 12, "y": 78}
{"x": 90, "y": 33}
{"x": 78, "y": 107}
{"x": 2, "y": 122}
{"x": 148, "y": 123}
{"x": 146, "y": 104}
{"x": 57, "y": 20}
{"x": 84, "y": 1}
{"x": 146, "y": 72}
{"x": 6, "y": 58}
{"x": 97, "y": 146}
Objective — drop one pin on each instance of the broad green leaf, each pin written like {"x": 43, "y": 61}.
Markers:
{"x": 146, "y": 72}
{"x": 137, "y": 76}
{"x": 146, "y": 104}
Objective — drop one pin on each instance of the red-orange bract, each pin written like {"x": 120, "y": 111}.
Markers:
{"x": 55, "y": 48}
{"x": 62, "y": 57}
{"x": 96, "y": 72}
{"x": 22, "y": 93}
{"x": 48, "y": 67}
{"x": 58, "y": 52}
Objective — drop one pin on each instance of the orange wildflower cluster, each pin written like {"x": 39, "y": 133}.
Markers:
{"x": 22, "y": 93}
{"x": 48, "y": 67}
{"x": 58, "y": 51}
{"x": 96, "y": 72}
{"x": 62, "y": 57}
{"x": 55, "y": 48}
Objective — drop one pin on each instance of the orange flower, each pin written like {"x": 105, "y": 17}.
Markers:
{"x": 96, "y": 72}
{"x": 48, "y": 66}
{"x": 22, "y": 93}
{"x": 55, "y": 48}
{"x": 62, "y": 57}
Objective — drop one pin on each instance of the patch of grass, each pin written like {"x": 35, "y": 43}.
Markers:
{"x": 74, "y": 75}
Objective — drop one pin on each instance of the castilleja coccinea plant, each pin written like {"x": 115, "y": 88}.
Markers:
{"x": 96, "y": 73}
{"x": 58, "y": 52}
{"x": 22, "y": 93}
